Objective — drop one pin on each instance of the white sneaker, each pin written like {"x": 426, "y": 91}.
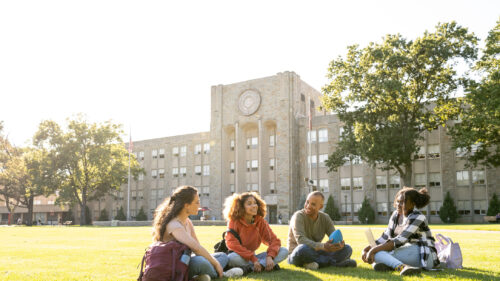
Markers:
{"x": 312, "y": 265}
{"x": 202, "y": 277}
{"x": 233, "y": 272}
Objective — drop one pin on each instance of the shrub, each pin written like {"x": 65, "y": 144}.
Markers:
{"x": 494, "y": 206}
{"x": 366, "y": 214}
{"x": 103, "y": 216}
{"x": 331, "y": 209}
{"x": 448, "y": 212}
{"x": 141, "y": 216}
{"x": 121, "y": 215}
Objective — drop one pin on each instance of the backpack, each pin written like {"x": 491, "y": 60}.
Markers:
{"x": 449, "y": 253}
{"x": 221, "y": 245}
{"x": 163, "y": 262}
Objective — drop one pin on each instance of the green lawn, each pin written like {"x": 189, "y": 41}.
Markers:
{"x": 105, "y": 253}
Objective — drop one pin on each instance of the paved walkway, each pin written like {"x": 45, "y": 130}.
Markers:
{"x": 434, "y": 230}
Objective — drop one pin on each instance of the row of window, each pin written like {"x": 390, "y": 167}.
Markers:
{"x": 254, "y": 187}
{"x": 176, "y": 151}
{"x": 253, "y": 142}
{"x": 252, "y": 165}
{"x": 179, "y": 172}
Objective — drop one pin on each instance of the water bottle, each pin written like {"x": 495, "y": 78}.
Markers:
{"x": 186, "y": 257}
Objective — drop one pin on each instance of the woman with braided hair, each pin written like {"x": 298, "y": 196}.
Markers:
{"x": 171, "y": 222}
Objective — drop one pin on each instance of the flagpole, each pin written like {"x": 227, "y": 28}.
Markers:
{"x": 128, "y": 189}
{"x": 310, "y": 141}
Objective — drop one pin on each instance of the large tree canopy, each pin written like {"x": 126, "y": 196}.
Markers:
{"x": 90, "y": 159}
{"x": 387, "y": 94}
{"x": 478, "y": 133}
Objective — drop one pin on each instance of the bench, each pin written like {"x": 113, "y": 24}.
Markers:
{"x": 490, "y": 219}
{"x": 67, "y": 222}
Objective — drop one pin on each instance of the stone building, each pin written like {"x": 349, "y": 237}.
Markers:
{"x": 259, "y": 140}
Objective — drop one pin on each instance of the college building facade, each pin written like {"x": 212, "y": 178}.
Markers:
{"x": 259, "y": 140}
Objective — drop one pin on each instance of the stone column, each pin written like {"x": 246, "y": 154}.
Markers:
{"x": 236, "y": 156}
{"x": 261, "y": 166}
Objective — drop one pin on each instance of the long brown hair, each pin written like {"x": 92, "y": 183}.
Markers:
{"x": 420, "y": 198}
{"x": 234, "y": 207}
{"x": 170, "y": 208}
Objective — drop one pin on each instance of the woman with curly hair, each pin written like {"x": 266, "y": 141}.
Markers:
{"x": 407, "y": 244}
{"x": 171, "y": 222}
{"x": 245, "y": 213}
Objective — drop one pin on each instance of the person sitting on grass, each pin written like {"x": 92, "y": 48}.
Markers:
{"x": 245, "y": 213}
{"x": 171, "y": 222}
{"x": 307, "y": 229}
{"x": 407, "y": 244}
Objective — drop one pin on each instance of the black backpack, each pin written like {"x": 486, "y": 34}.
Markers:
{"x": 221, "y": 245}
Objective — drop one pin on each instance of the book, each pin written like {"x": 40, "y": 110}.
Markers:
{"x": 369, "y": 237}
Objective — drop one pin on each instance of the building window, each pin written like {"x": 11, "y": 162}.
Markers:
{"x": 420, "y": 180}
{"x": 311, "y": 160}
{"x": 311, "y": 136}
{"x": 161, "y": 173}
{"x": 434, "y": 179}
{"x": 231, "y": 167}
{"x": 231, "y": 145}
{"x": 206, "y": 170}
{"x": 206, "y": 148}
{"x": 205, "y": 190}
{"x": 162, "y": 153}
{"x": 272, "y": 187}
{"x": 347, "y": 160}
{"x": 141, "y": 155}
{"x": 272, "y": 140}
{"x": 345, "y": 183}
{"x": 232, "y": 189}
{"x": 356, "y": 207}
{"x": 255, "y": 165}
{"x": 382, "y": 209}
{"x": 433, "y": 151}
{"x": 357, "y": 183}
{"x": 462, "y": 177}
{"x": 356, "y": 160}
{"x": 394, "y": 181}
{"x": 460, "y": 152}
{"x": 154, "y": 174}
{"x": 197, "y": 149}
{"x": 435, "y": 206}
{"x": 341, "y": 132}
{"x": 345, "y": 209}
{"x": 182, "y": 171}
{"x": 322, "y": 159}
{"x": 271, "y": 164}
{"x": 323, "y": 185}
{"x": 154, "y": 153}
{"x": 420, "y": 153}
{"x": 249, "y": 165}
{"x": 134, "y": 195}
{"x": 175, "y": 151}
{"x": 141, "y": 176}
{"x": 255, "y": 187}
{"x": 197, "y": 170}
{"x": 381, "y": 182}
{"x": 323, "y": 135}
{"x": 463, "y": 207}
{"x": 37, "y": 202}
{"x": 183, "y": 150}
{"x": 175, "y": 172}
{"x": 480, "y": 207}
{"x": 478, "y": 177}
{"x": 252, "y": 142}
{"x": 140, "y": 195}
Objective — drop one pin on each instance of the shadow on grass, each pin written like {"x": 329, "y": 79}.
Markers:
{"x": 283, "y": 274}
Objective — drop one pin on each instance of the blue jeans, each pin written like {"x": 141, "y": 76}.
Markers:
{"x": 236, "y": 260}
{"x": 407, "y": 254}
{"x": 199, "y": 265}
{"x": 303, "y": 254}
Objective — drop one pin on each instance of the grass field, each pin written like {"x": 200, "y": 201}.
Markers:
{"x": 105, "y": 253}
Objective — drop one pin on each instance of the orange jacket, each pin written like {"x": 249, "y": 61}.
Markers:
{"x": 252, "y": 235}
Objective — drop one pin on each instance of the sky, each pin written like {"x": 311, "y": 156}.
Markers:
{"x": 150, "y": 65}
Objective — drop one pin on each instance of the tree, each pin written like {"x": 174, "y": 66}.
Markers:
{"x": 494, "y": 206}
{"x": 387, "y": 94}
{"x": 88, "y": 216}
{"x": 478, "y": 132}
{"x": 90, "y": 159}
{"x": 103, "y": 216}
{"x": 12, "y": 173}
{"x": 448, "y": 212}
{"x": 141, "y": 216}
{"x": 331, "y": 209}
{"x": 121, "y": 215}
{"x": 366, "y": 214}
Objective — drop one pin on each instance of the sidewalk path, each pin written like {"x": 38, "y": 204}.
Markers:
{"x": 434, "y": 230}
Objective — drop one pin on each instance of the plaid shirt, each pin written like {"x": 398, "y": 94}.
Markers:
{"x": 416, "y": 231}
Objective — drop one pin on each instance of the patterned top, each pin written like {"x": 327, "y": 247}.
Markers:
{"x": 416, "y": 231}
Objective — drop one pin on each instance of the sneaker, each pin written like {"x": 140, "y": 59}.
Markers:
{"x": 233, "y": 272}
{"x": 312, "y": 265}
{"x": 276, "y": 267}
{"x": 381, "y": 267}
{"x": 406, "y": 270}
{"x": 347, "y": 263}
{"x": 202, "y": 277}
{"x": 248, "y": 268}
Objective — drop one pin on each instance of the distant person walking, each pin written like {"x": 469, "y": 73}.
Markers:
{"x": 280, "y": 219}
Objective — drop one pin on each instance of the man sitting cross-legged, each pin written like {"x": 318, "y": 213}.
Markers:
{"x": 308, "y": 227}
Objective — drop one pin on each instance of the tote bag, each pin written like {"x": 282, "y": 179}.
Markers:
{"x": 449, "y": 253}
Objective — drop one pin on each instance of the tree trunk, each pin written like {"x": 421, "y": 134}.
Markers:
{"x": 30, "y": 210}
{"x": 406, "y": 176}
{"x": 83, "y": 220}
